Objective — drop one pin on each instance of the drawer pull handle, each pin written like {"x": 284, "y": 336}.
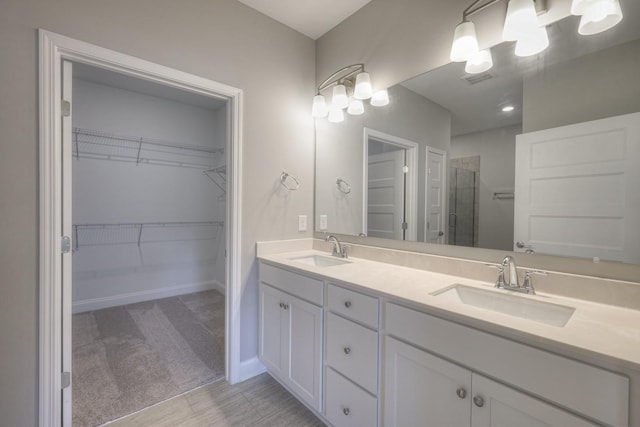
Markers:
{"x": 347, "y": 350}
{"x": 478, "y": 401}
{"x": 347, "y": 304}
{"x": 346, "y": 411}
{"x": 461, "y": 392}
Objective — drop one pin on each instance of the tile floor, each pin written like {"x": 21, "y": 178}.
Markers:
{"x": 260, "y": 401}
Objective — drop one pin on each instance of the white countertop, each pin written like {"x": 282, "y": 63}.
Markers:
{"x": 607, "y": 333}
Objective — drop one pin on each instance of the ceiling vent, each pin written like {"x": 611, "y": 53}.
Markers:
{"x": 473, "y": 79}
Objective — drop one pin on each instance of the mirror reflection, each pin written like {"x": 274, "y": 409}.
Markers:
{"x": 539, "y": 154}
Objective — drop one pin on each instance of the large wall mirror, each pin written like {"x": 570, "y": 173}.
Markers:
{"x": 538, "y": 155}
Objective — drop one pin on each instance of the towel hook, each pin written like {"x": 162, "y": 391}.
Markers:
{"x": 289, "y": 181}
{"x": 343, "y": 186}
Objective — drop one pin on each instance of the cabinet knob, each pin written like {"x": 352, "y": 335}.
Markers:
{"x": 461, "y": 392}
{"x": 347, "y": 304}
{"x": 347, "y": 350}
{"x": 478, "y": 401}
{"x": 285, "y": 306}
{"x": 281, "y": 305}
{"x": 346, "y": 410}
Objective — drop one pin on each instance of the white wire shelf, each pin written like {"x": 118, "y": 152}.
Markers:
{"x": 94, "y": 144}
{"x": 144, "y": 232}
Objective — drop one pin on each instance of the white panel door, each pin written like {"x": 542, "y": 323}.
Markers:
{"x": 576, "y": 190}
{"x": 305, "y": 350}
{"x": 497, "y": 405}
{"x": 423, "y": 390}
{"x": 435, "y": 190}
{"x": 272, "y": 321}
{"x": 385, "y": 195}
{"x": 67, "y": 269}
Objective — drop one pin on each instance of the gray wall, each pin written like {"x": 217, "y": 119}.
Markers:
{"x": 222, "y": 40}
{"x": 497, "y": 151}
{"x": 550, "y": 98}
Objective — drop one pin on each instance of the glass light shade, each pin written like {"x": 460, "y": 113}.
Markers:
{"x": 363, "y": 88}
{"x": 579, "y": 7}
{"x": 465, "y": 42}
{"x": 599, "y": 16}
{"x": 356, "y": 107}
{"x": 339, "y": 99}
{"x": 521, "y": 20}
{"x": 319, "y": 108}
{"x": 380, "y": 98}
{"x": 336, "y": 115}
{"x": 479, "y": 63}
{"x": 533, "y": 44}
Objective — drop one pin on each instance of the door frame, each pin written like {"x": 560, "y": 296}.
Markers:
{"x": 53, "y": 48}
{"x": 411, "y": 213}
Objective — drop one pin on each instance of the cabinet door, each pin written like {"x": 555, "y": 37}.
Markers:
{"x": 421, "y": 389}
{"x": 305, "y": 349}
{"x": 499, "y": 405}
{"x": 273, "y": 320}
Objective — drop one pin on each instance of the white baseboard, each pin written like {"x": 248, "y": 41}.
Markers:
{"x": 133, "y": 297}
{"x": 250, "y": 368}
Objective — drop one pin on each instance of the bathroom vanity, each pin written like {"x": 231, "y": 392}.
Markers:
{"x": 368, "y": 343}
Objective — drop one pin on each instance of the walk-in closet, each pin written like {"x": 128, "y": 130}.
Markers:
{"x": 149, "y": 205}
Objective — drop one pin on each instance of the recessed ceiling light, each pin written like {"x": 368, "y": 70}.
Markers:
{"x": 508, "y": 108}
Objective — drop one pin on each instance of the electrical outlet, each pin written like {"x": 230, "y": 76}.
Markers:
{"x": 323, "y": 222}
{"x": 302, "y": 223}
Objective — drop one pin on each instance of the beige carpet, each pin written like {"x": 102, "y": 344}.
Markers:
{"x": 129, "y": 357}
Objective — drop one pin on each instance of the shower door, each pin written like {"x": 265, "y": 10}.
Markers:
{"x": 462, "y": 194}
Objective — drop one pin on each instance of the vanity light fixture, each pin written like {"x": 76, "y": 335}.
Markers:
{"x": 351, "y": 80}
{"x": 479, "y": 63}
{"x": 596, "y": 15}
{"x": 380, "y": 98}
{"x": 508, "y": 108}
{"x": 521, "y": 25}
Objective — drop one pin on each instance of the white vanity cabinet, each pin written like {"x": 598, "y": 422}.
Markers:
{"x": 440, "y": 393}
{"x": 351, "y": 358}
{"x": 421, "y": 388}
{"x": 290, "y": 331}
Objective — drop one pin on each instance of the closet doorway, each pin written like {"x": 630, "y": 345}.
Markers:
{"x": 148, "y": 210}
{"x": 139, "y": 232}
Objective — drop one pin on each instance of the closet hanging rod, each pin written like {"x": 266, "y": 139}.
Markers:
{"x": 153, "y": 224}
{"x": 143, "y": 140}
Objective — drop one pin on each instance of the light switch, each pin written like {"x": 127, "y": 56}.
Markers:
{"x": 323, "y": 222}
{"x": 302, "y": 223}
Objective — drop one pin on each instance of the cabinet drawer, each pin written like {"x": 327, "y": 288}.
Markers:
{"x": 307, "y": 288}
{"x": 588, "y": 390}
{"x": 352, "y": 350}
{"x": 347, "y": 404}
{"x": 353, "y": 305}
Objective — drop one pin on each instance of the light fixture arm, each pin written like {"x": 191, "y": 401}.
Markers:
{"x": 474, "y": 8}
{"x": 340, "y": 76}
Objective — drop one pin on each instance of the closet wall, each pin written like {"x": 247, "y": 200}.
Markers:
{"x": 116, "y": 264}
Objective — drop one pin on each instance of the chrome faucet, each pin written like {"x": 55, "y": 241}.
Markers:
{"x": 339, "y": 250}
{"x": 509, "y": 281}
{"x": 509, "y": 264}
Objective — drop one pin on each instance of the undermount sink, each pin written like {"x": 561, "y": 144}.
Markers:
{"x": 320, "y": 261}
{"x": 513, "y": 305}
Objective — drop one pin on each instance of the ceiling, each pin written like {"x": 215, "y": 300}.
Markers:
{"x": 312, "y": 18}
